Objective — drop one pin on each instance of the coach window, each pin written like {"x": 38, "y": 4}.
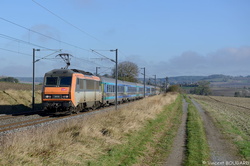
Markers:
{"x": 77, "y": 84}
{"x": 90, "y": 85}
{"x": 121, "y": 89}
{"x": 97, "y": 85}
{"x": 78, "y": 81}
{"x": 81, "y": 84}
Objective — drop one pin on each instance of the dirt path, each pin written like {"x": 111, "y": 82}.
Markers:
{"x": 177, "y": 154}
{"x": 222, "y": 151}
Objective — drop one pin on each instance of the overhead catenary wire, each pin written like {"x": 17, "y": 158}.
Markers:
{"x": 84, "y": 60}
{"x": 88, "y": 50}
{"x": 51, "y": 59}
{"x": 104, "y": 71}
{"x": 46, "y": 57}
{"x": 67, "y": 22}
{"x": 103, "y": 55}
{"x": 11, "y": 22}
{"x": 28, "y": 43}
{"x": 74, "y": 26}
{"x": 22, "y": 41}
{"x": 52, "y": 38}
{"x": 15, "y": 52}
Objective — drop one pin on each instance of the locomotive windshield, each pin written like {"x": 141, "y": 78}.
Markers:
{"x": 58, "y": 81}
{"x": 65, "y": 81}
{"x": 51, "y": 81}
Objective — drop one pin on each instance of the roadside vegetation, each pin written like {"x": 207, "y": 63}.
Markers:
{"x": 9, "y": 79}
{"x": 174, "y": 88}
{"x": 197, "y": 147}
{"x": 139, "y": 134}
{"x": 202, "y": 88}
{"x": 232, "y": 116}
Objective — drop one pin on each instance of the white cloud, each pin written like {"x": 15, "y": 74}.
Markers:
{"x": 228, "y": 61}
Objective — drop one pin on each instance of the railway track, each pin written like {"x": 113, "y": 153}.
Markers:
{"x": 20, "y": 122}
{"x": 11, "y": 123}
{"x": 24, "y": 120}
{"x": 3, "y": 116}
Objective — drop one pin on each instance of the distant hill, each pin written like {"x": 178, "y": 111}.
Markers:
{"x": 213, "y": 79}
{"x": 221, "y": 85}
{"x": 185, "y": 79}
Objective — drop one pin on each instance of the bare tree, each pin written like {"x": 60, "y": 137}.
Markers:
{"x": 127, "y": 71}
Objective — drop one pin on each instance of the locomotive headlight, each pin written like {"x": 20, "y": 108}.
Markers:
{"x": 47, "y": 96}
{"x": 65, "y": 96}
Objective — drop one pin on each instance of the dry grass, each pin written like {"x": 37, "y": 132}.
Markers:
{"x": 18, "y": 86}
{"x": 78, "y": 141}
{"x": 14, "y": 101}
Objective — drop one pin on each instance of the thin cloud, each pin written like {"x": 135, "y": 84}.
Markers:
{"x": 228, "y": 61}
{"x": 47, "y": 32}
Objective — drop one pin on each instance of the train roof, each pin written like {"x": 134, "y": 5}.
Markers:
{"x": 66, "y": 72}
{"x": 69, "y": 72}
{"x": 112, "y": 80}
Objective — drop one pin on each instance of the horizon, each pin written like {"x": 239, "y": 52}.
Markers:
{"x": 156, "y": 77}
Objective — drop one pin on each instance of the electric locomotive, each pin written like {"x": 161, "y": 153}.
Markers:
{"x": 70, "y": 90}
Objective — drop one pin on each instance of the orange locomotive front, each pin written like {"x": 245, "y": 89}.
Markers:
{"x": 57, "y": 91}
{"x": 66, "y": 90}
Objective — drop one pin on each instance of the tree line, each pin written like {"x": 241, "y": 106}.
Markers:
{"x": 202, "y": 88}
{"x": 9, "y": 79}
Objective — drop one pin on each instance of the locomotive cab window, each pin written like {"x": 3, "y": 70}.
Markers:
{"x": 65, "y": 81}
{"x": 58, "y": 81}
{"x": 51, "y": 81}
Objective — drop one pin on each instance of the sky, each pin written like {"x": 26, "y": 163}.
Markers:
{"x": 168, "y": 38}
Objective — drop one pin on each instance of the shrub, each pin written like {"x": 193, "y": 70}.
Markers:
{"x": 174, "y": 88}
{"x": 9, "y": 79}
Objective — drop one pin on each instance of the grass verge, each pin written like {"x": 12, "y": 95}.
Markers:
{"x": 197, "y": 146}
{"x": 150, "y": 145}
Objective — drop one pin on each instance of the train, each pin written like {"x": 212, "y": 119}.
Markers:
{"x": 74, "y": 90}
